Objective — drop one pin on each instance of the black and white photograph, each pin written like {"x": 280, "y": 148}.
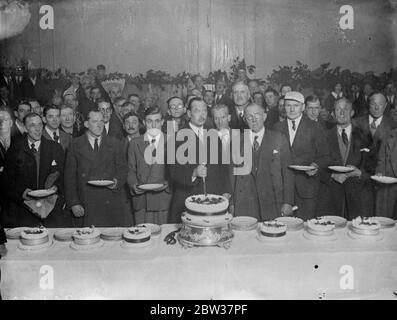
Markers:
{"x": 208, "y": 151}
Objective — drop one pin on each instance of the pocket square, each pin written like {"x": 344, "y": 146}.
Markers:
{"x": 364, "y": 150}
{"x": 275, "y": 151}
{"x": 54, "y": 163}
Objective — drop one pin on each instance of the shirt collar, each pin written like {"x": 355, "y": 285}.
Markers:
{"x": 260, "y": 135}
{"x": 91, "y": 138}
{"x": 297, "y": 121}
{"x": 36, "y": 143}
{"x": 377, "y": 121}
{"x": 149, "y": 138}
{"x": 195, "y": 128}
{"x": 348, "y": 130}
{"x": 20, "y": 127}
{"x": 51, "y": 133}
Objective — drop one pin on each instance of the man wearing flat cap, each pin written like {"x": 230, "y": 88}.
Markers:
{"x": 308, "y": 147}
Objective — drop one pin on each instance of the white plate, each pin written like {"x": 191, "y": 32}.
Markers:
{"x": 302, "y": 168}
{"x": 313, "y": 237}
{"x": 362, "y": 237}
{"x": 101, "y": 183}
{"x": 79, "y": 247}
{"x": 139, "y": 245}
{"x": 342, "y": 169}
{"x": 155, "y": 229}
{"x": 385, "y": 222}
{"x": 64, "y": 235}
{"x": 150, "y": 186}
{"x": 244, "y": 223}
{"x": 41, "y": 193}
{"x": 36, "y": 248}
{"x": 112, "y": 234}
{"x": 340, "y": 222}
{"x": 15, "y": 233}
{"x": 384, "y": 179}
{"x": 292, "y": 223}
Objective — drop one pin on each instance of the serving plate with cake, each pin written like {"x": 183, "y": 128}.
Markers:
{"x": 155, "y": 229}
{"x": 34, "y": 239}
{"x": 136, "y": 237}
{"x": 87, "y": 238}
{"x": 320, "y": 229}
{"x": 365, "y": 228}
{"x": 340, "y": 222}
{"x": 206, "y": 222}
{"x": 272, "y": 231}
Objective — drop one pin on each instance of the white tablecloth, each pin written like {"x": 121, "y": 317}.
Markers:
{"x": 297, "y": 269}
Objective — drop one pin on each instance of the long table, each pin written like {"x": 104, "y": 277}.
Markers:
{"x": 298, "y": 268}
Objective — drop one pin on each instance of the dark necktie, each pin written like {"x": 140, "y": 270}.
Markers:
{"x": 256, "y": 143}
{"x": 56, "y": 137}
{"x": 96, "y": 145}
{"x": 32, "y": 148}
{"x": 241, "y": 117}
{"x": 373, "y": 126}
{"x": 153, "y": 141}
{"x": 344, "y": 138}
{"x": 293, "y": 125}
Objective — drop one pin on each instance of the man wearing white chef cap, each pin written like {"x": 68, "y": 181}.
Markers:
{"x": 308, "y": 147}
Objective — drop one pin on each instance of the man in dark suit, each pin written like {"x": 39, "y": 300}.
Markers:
{"x": 220, "y": 94}
{"x": 308, "y": 147}
{"x": 176, "y": 114}
{"x": 18, "y": 129}
{"x": 241, "y": 97}
{"x": 346, "y": 194}
{"x": 390, "y": 93}
{"x": 386, "y": 198}
{"x": 266, "y": 191}
{"x": 51, "y": 118}
{"x": 68, "y": 122}
{"x": 29, "y": 83}
{"x": 113, "y": 127}
{"x": 95, "y": 156}
{"x": 376, "y": 126}
{"x": 35, "y": 163}
{"x": 312, "y": 111}
{"x": 188, "y": 177}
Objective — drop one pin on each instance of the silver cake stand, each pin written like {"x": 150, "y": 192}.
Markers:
{"x": 223, "y": 242}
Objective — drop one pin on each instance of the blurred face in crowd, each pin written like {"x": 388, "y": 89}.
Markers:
{"x": 131, "y": 125}
{"x": 253, "y": 86}
{"x": 34, "y": 127}
{"x": 87, "y": 92}
{"x": 241, "y": 75}
{"x": 338, "y": 88}
{"x": 285, "y": 89}
{"x": 71, "y": 101}
{"x": 368, "y": 89}
{"x": 355, "y": 88}
{"x": 390, "y": 89}
{"x": 75, "y": 81}
{"x": 313, "y": 110}
{"x": 199, "y": 82}
{"x": 258, "y": 99}
{"x": 241, "y": 94}
{"x": 91, "y": 72}
{"x": 255, "y": 116}
{"x": 22, "y": 111}
{"x": 176, "y": 108}
{"x": 393, "y": 113}
{"x": 86, "y": 81}
{"x": 127, "y": 107}
{"x": 106, "y": 109}
{"x": 56, "y": 101}
{"x": 4, "y": 92}
{"x": 5, "y": 123}
{"x": 36, "y": 107}
{"x": 101, "y": 73}
{"x": 281, "y": 108}
{"x": 293, "y": 109}
{"x": 198, "y": 113}
{"x": 95, "y": 94}
{"x": 209, "y": 98}
{"x": 343, "y": 113}
{"x": 52, "y": 119}
{"x": 270, "y": 99}
{"x": 221, "y": 118}
{"x": 95, "y": 123}
{"x": 377, "y": 105}
{"x": 153, "y": 121}
{"x": 67, "y": 117}
{"x": 220, "y": 87}
{"x": 117, "y": 105}
{"x": 136, "y": 101}
{"x": 114, "y": 93}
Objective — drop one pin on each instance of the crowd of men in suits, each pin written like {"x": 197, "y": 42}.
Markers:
{"x": 83, "y": 134}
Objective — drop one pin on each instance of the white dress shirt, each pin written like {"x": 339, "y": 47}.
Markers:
{"x": 197, "y": 130}
{"x": 149, "y": 138}
{"x": 348, "y": 131}
{"x": 91, "y": 140}
{"x": 377, "y": 121}
{"x": 51, "y": 133}
{"x": 36, "y": 144}
{"x": 292, "y": 132}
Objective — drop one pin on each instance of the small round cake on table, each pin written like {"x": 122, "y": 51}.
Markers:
{"x": 209, "y": 204}
{"x": 86, "y": 238}
{"x": 365, "y": 226}
{"x": 136, "y": 237}
{"x": 34, "y": 239}
{"x": 273, "y": 229}
{"x": 320, "y": 229}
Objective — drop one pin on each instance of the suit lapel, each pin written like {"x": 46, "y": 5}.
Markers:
{"x": 334, "y": 145}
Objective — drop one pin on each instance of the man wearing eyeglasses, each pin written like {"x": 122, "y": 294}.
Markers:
{"x": 113, "y": 127}
{"x": 176, "y": 114}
